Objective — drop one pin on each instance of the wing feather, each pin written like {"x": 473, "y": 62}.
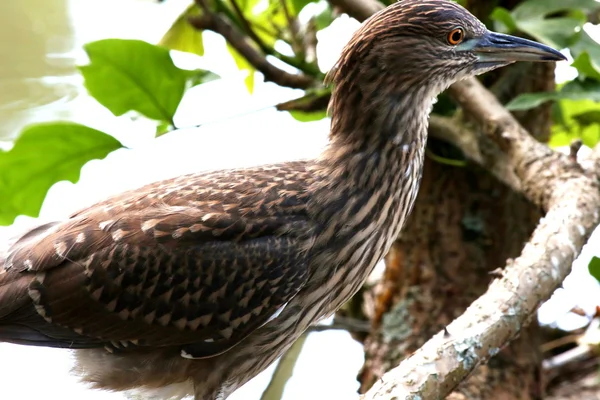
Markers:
{"x": 198, "y": 263}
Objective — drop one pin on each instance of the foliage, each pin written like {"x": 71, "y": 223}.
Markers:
{"x": 124, "y": 76}
{"x": 42, "y": 155}
{"x": 561, "y": 24}
{"x": 182, "y": 36}
{"x": 135, "y": 77}
{"x": 132, "y": 75}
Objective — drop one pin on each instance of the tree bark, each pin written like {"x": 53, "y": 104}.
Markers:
{"x": 464, "y": 227}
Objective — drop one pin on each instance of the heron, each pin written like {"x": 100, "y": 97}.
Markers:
{"x": 194, "y": 285}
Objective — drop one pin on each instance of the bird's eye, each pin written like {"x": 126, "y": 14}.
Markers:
{"x": 456, "y": 36}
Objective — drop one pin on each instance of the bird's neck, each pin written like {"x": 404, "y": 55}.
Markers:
{"x": 380, "y": 141}
{"x": 365, "y": 184}
{"x": 373, "y": 163}
{"x": 368, "y": 183}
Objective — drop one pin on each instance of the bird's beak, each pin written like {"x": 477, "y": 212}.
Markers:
{"x": 497, "y": 47}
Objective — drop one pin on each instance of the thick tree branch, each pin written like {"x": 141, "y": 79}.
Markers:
{"x": 572, "y": 201}
{"x": 552, "y": 181}
{"x": 477, "y": 148}
{"x": 214, "y": 22}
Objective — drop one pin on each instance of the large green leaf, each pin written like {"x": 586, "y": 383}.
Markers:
{"x": 586, "y": 66}
{"x": 126, "y": 75}
{"x": 584, "y": 43}
{"x": 42, "y": 155}
{"x": 183, "y": 36}
{"x": 587, "y": 55}
{"x": 534, "y": 17}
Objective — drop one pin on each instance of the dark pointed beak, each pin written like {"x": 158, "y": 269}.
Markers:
{"x": 497, "y": 47}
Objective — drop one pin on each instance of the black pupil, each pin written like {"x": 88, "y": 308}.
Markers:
{"x": 456, "y": 35}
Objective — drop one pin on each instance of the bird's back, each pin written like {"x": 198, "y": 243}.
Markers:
{"x": 197, "y": 262}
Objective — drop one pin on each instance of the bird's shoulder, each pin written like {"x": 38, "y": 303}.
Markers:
{"x": 224, "y": 205}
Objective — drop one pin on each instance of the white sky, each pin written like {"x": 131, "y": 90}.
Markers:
{"x": 330, "y": 360}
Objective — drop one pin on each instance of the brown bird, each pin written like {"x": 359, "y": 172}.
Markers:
{"x": 194, "y": 285}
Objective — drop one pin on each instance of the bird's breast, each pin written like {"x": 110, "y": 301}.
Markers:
{"x": 360, "y": 230}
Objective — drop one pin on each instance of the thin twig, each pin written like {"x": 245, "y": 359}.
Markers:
{"x": 295, "y": 62}
{"x": 283, "y": 371}
{"x": 293, "y": 27}
{"x": 247, "y": 28}
{"x": 214, "y": 22}
{"x": 345, "y": 324}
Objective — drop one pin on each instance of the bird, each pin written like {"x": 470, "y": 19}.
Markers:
{"x": 193, "y": 285}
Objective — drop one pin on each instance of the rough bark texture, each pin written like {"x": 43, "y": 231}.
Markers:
{"x": 465, "y": 225}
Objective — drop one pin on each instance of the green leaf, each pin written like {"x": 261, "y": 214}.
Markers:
{"x": 583, "y": 42}
{"x": 531, "y": 17}
{"x": 588, "y": 118}
{"x": 324, "y": 18}
{"x": 574, "y": 90}
{"x": 200, "y": 76}
{"x": 577, "y": 121}
{"x": 586, "y": 52}
{"x": 538, "y": 9}
{"x": 162, "y": 128}
{"x": 555, "y": 32}
{"x": 182, "y": 36}
{"x": 42, "y": 155}
{"x": 505, "y": 18}
{"x": 594, "y": 268}
{"x": 271, "y": 24}
{"x": 126, "y": 75}
{"x": 308, "y": 116}
{"x": 243, "y": 65}
{"x": 298, "y": 5}
{"x": 527, "y": 101}
{"x": 586, "y": 66}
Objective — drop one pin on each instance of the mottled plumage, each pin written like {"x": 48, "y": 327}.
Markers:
{"x": 194, "y": 285}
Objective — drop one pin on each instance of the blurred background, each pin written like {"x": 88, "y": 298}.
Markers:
{"x": 226, "y": 116}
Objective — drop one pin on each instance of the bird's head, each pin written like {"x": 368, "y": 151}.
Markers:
{"x": 429, "y": 44}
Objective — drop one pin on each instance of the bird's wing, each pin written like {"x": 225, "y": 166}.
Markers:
{"x": 198, "y": 262}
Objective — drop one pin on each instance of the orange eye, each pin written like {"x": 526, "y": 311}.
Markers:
{"x": 456, "y": 36}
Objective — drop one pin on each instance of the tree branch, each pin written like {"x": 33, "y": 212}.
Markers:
{"x": 214, "y": 22}
{"x": 351, "y": 325}
{"x": 477, "y": 148}
{"x": 572, "y": 201}
{"x": 550, "y": 180}
{"x": 284, "y": 370}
